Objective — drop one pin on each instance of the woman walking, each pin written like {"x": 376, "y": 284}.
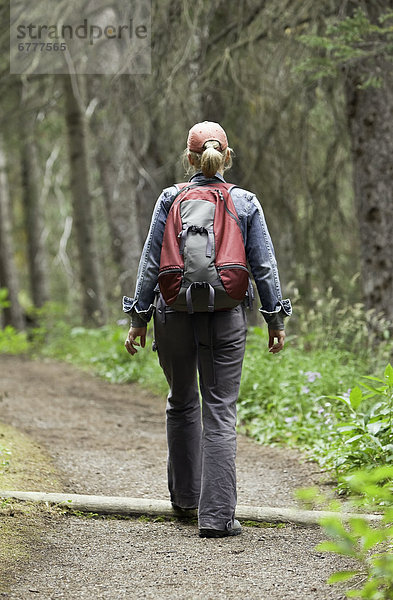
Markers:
{"x": 192, "y": 277}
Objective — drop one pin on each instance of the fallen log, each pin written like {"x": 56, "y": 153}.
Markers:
{"x": 120, "y": 505}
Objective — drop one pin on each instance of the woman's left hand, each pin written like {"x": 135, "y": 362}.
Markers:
{"x": 131, "y": 342}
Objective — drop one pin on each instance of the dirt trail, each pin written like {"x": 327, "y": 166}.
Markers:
{"x": 110, "y": 439}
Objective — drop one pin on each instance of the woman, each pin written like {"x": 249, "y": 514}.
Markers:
{"x": 202, "y": 448}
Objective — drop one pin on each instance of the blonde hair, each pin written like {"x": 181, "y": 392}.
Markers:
{"x": 209, "y": 161}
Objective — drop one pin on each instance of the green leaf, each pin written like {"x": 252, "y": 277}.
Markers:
{"x": 380, "y": 474}
{"x": 329, "y": 547}
{"x": 341, "y": 547}
{"x": 354, "y": 438}
{"x": 389, "y": 374}
{"x": 355, "y": 397}
{"x": 353, "y": 594}
{"x": 371, "y": 389}
{"x": 375, "y": 428}
{"x": 388, "y": 515}
{"x": 341, "y": 576}
{"x": 373, "y": 378}
{"x": 376, "y": 441}
{"x": 346, "y": 428}
{"x": 372, "y": 538}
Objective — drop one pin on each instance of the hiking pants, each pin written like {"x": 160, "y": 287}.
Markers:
{"x": 202, "y": 443}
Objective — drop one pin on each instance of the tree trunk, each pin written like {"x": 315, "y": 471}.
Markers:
{"x": 35, "y": 227}
{"x": 93, "y": 303}
{"x": 127, "y": 170}
{"x": 8, "y": 276}
{"x": 370, "y": 118}
{"x": 119, "y": 180}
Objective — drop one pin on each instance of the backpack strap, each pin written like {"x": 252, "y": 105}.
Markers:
{"x": 198, "y": 284}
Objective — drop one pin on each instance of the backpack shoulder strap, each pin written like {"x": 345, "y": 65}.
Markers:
{"x": 227, "y": 186}
{"x": 179, "y": 188}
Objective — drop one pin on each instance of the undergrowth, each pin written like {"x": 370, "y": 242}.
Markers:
{"x": 307, "y": 396}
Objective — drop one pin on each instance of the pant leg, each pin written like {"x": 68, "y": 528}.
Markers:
{"x": 177, "y": 353}
{"x": 221, "y": 344}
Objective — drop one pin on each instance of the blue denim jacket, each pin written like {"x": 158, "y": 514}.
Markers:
{"x": 259, "y": 252}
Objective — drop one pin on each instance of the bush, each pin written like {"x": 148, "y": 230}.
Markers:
{"x": 347, "y": 326}
{"x": 11, "y": 341}
{"x": 283, "y": 397}
{"x": 370, "y": 546}
{"x": 362, "y": 432}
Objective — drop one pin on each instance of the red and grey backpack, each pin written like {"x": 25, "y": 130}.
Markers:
{"x": 203, "y": 260}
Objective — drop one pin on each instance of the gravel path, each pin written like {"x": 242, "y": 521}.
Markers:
{"x": 110, "y": 439}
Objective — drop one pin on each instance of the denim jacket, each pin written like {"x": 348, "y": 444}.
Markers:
{"x": 259, "y": 252}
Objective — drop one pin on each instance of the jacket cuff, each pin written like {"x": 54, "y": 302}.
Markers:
{"x": 137, "y": 316}
{"x": 275, "y": 321}
{"x": 275, "y": 318}
{"x": 137, "y": 320}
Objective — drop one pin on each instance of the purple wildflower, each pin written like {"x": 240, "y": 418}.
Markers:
{"x": 312, "y": 376}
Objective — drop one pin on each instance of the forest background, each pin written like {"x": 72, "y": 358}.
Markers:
{"x": 305, "y": 93}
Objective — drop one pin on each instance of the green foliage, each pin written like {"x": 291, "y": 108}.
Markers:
{"x": 11, "y": 340}
{"x": 345, "y": 325}
{"x": 292, "y": 398}
{"x": 283, "y": 401}
{"x": 362, "y": 432}
{"x": 346, "y": 42}
{"x": 369, "y": 545}
{"x": 102, "y": 350}
{"x": 282, "y": 397}
{"x": 4, "y": 302}
{"x": 298, "y": 397}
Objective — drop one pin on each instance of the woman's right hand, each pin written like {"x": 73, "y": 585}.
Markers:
{"x": 279, "y": 335}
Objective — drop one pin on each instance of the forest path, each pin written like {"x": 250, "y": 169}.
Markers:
{"x": 110, "y": 439}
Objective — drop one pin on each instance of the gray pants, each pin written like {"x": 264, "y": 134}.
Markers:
{"x": 202, "y": 451}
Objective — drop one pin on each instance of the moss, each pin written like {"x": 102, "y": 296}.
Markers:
{"x": 28, "y": 468}
{"x": 263, "y": 524}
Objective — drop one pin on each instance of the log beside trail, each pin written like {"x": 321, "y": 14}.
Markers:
{"x": 124, "y": 506}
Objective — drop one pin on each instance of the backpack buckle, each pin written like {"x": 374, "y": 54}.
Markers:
{"x": 200, "y": 285}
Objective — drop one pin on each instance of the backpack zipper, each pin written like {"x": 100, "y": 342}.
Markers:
{"x": 232, "y": 266}
{"x": 227, "y": 209}
{"x": 171, "y": 270}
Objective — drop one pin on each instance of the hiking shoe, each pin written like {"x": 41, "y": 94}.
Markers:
{"x": 184, "y": 512}
{"x": 230, "y": 530}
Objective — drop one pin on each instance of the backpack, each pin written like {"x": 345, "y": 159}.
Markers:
{"x": 203, "y": 260}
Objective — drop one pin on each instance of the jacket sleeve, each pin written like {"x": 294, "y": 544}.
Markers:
{"x": 261, "y": 257}
{"x": 141, "y": 306}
